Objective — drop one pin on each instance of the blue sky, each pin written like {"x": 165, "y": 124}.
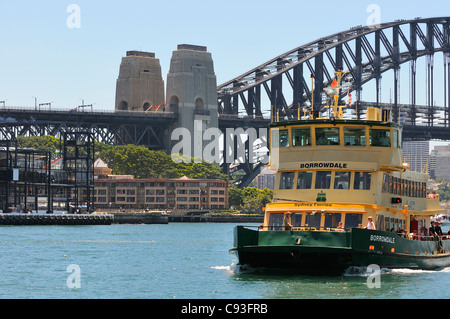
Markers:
{"x": 40, "y": 56}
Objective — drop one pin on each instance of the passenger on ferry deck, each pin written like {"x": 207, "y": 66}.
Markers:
{"x": 432, "y": 229}
{"x": 438, "y": 229}
{"x": 424, "y": 233}
{"x": 287, "y": 224}
{"x": 370, "y": 224}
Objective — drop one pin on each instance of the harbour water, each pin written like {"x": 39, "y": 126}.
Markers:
{"x": 174, "y": 261}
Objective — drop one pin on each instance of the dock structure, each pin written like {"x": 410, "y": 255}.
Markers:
{"x": 55, "y": 219}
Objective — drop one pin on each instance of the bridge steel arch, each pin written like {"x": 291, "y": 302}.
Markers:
{"x": 365, "y": 53}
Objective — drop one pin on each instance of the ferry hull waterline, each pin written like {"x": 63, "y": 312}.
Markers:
{"x": 344, "y": 197}
{"x": 333, "y": 253}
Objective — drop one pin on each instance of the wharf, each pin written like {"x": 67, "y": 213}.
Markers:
{"x": 21, "y": 219}
{"x": 216, "y": 219}
{"x": 140, "y": 218}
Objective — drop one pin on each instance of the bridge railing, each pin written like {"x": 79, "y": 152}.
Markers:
{"x": 27, "y": 109}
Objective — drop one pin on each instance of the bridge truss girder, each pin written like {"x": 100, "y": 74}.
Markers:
{"x": 107, "y": 127}
{"x": 354, "y": 52}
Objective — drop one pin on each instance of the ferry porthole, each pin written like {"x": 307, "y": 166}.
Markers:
{"x": 298, "y": 241}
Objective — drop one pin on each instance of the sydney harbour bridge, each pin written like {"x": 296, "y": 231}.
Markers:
{"x": 402, "y": 66}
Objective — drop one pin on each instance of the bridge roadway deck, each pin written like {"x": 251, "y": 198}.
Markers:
{"x": 23, "y": 117}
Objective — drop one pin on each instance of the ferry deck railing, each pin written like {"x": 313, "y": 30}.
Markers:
{"x": 409, "y": 236}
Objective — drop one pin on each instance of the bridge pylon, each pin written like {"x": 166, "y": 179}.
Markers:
{"x": 191, "y": 92}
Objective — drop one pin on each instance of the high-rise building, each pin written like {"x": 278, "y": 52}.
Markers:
{"x": 417, "y": 154}
{"x": 440, "y": 162}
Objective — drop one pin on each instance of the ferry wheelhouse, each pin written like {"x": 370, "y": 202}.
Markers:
{"x": 343, "y": 197}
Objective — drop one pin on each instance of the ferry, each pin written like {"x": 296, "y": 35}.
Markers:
{"x": 343, "y": 197}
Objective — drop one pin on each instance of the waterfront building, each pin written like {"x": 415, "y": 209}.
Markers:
{"x": 182, "y": 194}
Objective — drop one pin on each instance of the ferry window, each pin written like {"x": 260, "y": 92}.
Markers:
{"x": 410, "y": 188}
{"x": 416, "y": 189}
{"x": 313, "y": 220}
{"x": 287, "y": 180}
{"x": 380, "y": 137}
{"x": 284, "y": 138}
{"x": 391, "y": 184}
{"x": 354, "y": 136}
{"x": 301, "y": 137}
{"x": 396, "y": 139}
{"x": 387, "y": 224}
{"x": 296, "y": 219}
{"x": 394, "y": 182}
{"x": 401, "y": 225}
{"x": 304, "y": 180}
{"x": 379, "y": 222}
{"x": 385, "y": 187}
{"x": 342, "y": 180}
{"x": 332, "y": 220}
{"x": 327, "y": 136}
{"x": 353, "y": 220}
{"x": 323, "y": 180}
{"x": 362, "y": 180}
{"x": 280, "y": 138}
{"x": 276, "y": 221}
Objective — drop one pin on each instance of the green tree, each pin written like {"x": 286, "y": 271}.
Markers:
{"x": 444, "y": 192}
{"x": 255, "y": 199}
{"x": 139, "y": 161}
{"x": 45, "y": 143}
{"x": 235, "y": 198}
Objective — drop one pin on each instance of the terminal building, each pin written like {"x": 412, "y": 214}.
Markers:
{"x": 182, "y": 194}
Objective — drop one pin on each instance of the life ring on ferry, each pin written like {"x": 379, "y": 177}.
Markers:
{"x": 261, "y": 227}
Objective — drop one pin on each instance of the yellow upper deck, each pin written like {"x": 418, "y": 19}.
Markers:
{"x": 322, "y": 143}
{"x": 345, "y": 161}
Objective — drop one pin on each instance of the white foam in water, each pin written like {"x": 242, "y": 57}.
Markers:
{"x": 233, "y": 268}
{"x": 418, "y": 271}
{"x": 222, "y": 267}
{"x": 362, "y": 271}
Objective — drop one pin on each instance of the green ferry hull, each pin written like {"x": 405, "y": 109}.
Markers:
{"x": 333, "y": 252}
